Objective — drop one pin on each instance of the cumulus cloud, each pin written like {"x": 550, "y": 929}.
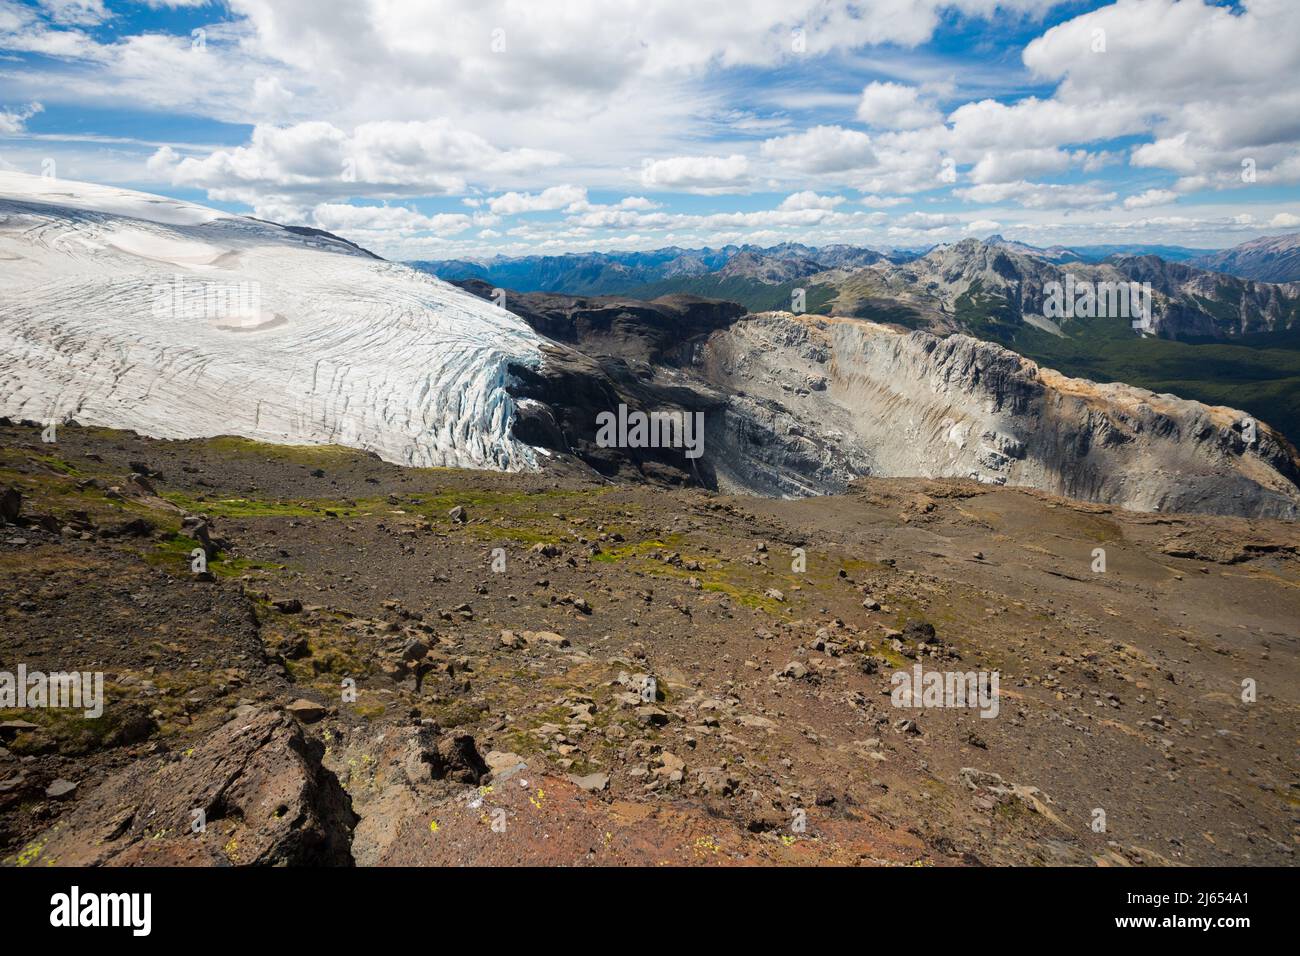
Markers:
{"x": 706, "y": 174}
{"x": 319, "y": 159}
{"x": 926, "y": 221}
{"x": 810, "y": 200}
{"x": 895, "y": 106}
{"x": 368, "y": 100}
{"x": 556, "y": 197}
{"x": 882, "y": 202}
{"x": 342, "y": 217}
{"x": 1204, "y": 77}
{"x": 1152, "y": 197}
{"x": 822, "y": 149}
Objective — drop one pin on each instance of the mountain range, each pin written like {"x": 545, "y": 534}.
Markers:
{"x": 1214, "y": 335}
{"x": 1272, "y": 259}
{"x": 131, "y": 311}
{"x": 1268, "y": 259}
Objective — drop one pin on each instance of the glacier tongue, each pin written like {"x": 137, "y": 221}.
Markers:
{"x": 177, "y": 321}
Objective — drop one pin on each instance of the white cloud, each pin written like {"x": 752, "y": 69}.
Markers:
{"x": 1002, "y": 166}
{"x": 926, "y": 221}
{"x": 822, "y": 149}
{"x": 882, "y": 202}
{"x": 895, "y": 106}
{"x": 395, "y": 99}
{"x": 555, "y": 197}
{"x": 15, "y": 121}
{"x": 707, "y": 174}
{"x": 810, "y": 200}
{"x": 75, "y": 12}
{"x": 1037, "y": 195}
{"x": 341, "y": 217}
{"x": 1152, "y": 197}
{"x": 319, "y": 159}
{"x": 1205, "y": 78}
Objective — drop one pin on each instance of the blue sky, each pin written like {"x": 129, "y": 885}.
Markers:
{"x": 437, "y": 129}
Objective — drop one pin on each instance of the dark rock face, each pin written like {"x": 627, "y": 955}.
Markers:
{"x": 609, "y": 351}
{"x": 11, "y": 505}
{"x": 618, "y": 327}
{"x": 265, "y": 798}
{"x": 453, "y": 757}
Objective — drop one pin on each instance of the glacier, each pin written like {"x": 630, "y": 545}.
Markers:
{"x": 127, "y": 310}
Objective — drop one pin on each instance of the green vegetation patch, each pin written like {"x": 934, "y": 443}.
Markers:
{"x": 1260, "y": 375}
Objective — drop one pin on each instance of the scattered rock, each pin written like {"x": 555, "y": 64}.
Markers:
{"x": 764, "y": 820}
{"x": 11, "y": 504}
{"x": 920, "y": 631}
{"x": 651, "y": 716}
{"x": 504, "y": 765}
{"x": 545, "y": 637}
{"x": 716, "y": 782}
{"x": 592, "y": 782}
{"x": 60, "y": 789}
{"x": 452, "y": 757}
{"x": 11, "y": 728}
{"x": 308, "y": 711}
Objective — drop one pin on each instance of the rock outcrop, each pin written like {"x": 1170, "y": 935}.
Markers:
{"x": 253, "y": 793}
{"x": 802, "y": 405}
{"x": 816, "y": 402}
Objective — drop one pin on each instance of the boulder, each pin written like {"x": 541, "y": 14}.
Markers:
{"x": 260, "y": 790}
{"x": 592, "y": 782}
{"x": 451, "y": 756}
{"x": 308, "y": 711}
{"x": 11, "y": 504}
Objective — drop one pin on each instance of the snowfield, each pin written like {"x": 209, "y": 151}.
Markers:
{"x": 134, "y": 311}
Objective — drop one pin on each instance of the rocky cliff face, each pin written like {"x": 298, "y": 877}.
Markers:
{"x": 802, "y": 405}
{"x": 817, "y": 402}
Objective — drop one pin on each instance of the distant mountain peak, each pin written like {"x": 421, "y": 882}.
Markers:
{"x": 1266, "y": 259}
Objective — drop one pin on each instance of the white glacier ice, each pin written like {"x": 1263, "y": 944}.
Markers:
{"x": 134, "y": 311}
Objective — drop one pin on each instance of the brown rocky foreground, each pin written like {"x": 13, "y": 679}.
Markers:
{"x": 501, "y": 633}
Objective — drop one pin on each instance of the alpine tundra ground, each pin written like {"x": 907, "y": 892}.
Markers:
{"x": 409, "y": 666}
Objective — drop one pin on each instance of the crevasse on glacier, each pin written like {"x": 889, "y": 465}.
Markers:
{"x": 177, "y": 321}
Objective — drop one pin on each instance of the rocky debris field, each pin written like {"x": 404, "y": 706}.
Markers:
{"x": 314, "y": 657}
